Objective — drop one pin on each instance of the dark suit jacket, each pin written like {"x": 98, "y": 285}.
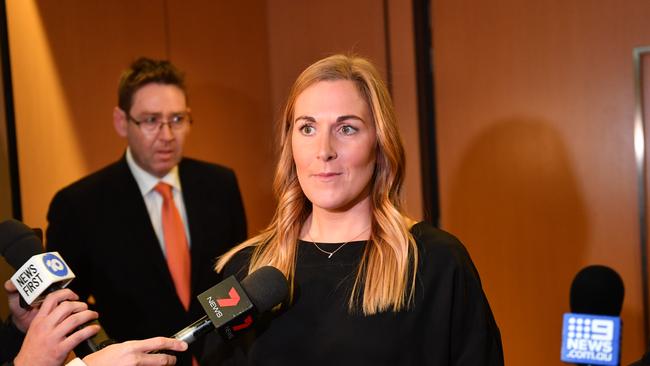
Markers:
{"x": 101, "y": 227}
{"x": 11, "y": 339}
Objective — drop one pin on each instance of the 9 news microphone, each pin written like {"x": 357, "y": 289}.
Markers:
{"x": 591, "y": 332}
{"x": 40, "y": 273}
{"x": 231, "y": 307}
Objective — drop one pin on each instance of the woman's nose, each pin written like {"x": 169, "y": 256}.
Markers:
{"x": 326, "y": 150}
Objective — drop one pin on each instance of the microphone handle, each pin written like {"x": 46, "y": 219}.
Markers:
{"x": 25, "y": 305}
{"x": 94, "y": 343}
{"x": 195, "y": 330}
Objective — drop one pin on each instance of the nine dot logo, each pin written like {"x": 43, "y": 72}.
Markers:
{"x": 579, "y": 328}
{"x": 585, "y": 328}
{"x": 590, "y": 339}
{"x": 55, "y": 265}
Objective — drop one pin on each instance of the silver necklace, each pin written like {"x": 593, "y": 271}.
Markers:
{"x": 330, "y": 254}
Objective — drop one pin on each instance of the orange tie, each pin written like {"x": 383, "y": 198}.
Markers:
{"x": 178, "y": 254}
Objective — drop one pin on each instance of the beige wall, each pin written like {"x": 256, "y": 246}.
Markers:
{"x": 535, "y": 113}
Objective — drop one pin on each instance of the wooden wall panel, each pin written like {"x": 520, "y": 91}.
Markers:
{"x": 224, "y": 47}
{"x": 535, "y": 115}
{"x": 301, "y": 32}
{"x": 404, "y": 93}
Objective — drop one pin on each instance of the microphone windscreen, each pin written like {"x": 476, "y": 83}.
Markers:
{"x": 18, "y": 243}
{"x": 265, "y": 287}
{"x": 597, "y": 290}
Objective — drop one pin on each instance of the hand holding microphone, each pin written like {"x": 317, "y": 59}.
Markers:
{"x": 137, "y": 353}
{"x": 51, "y": 334}
{"x": 55, "y": 328}
{"x": 21, "y": 317}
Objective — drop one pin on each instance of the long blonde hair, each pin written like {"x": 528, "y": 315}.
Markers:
{"x": 386, "y": 275}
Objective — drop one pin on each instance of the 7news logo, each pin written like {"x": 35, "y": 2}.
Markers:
{"x": 233, "y": 300}
{"x": 590, "y": 339}
{"x": 228, "y": 307}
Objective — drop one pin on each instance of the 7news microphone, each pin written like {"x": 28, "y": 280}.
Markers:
{"x": 591, "y": 332}
{"x": 231, "y": 307}
{"x": 38, "y": 274}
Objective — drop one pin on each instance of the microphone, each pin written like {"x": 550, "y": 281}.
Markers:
{"x": 18, "y": 243}
{"x": 37, "y": 273}
{"x": 591, "y": 331}
{"x": 40, "y": 273}
{"x": 231, "y": 307}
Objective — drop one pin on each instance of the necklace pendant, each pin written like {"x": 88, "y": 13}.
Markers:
{"x": 330, "y": 256}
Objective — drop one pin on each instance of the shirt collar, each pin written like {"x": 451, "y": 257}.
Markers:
{"x": 147, "y": 181}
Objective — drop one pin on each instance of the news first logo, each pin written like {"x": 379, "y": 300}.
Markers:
{"x": 590, "y": 339}
{"x": 39, "y": 273}
{"x": 55, "y": 265}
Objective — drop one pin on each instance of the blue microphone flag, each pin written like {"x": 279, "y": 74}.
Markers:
{"x": 590, "y": 339}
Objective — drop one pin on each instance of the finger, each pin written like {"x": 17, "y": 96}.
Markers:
{"x": 10, "y": 287}
{"x": 53, "y": 299}
{"x": 74, "y": 321}
{"x": 79, "y": 336}
{"x": 159, "y": 343}
{"x": 157, "y": 359}
{"x": 62, "y": 311}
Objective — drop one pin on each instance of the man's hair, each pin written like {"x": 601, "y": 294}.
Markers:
{"x": 144, "y": 71}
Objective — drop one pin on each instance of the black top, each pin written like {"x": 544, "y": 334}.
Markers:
{"x": 11, "y": 339}
{"x": 450, "y": 322}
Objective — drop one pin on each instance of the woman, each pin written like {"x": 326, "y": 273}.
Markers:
{"x": 369, "y": 286}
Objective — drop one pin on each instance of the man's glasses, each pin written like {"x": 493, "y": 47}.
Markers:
{"x": 153, "y": 123}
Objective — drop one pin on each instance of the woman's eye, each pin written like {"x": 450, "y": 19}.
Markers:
{"x": 307, "y": 129}
{"x": 348, "y": 130}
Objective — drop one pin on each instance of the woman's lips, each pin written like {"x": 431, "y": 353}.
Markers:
{"x": 326, "y": 176}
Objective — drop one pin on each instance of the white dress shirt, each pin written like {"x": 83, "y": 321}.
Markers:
{"x": 153, "y": 200}
{"x": 76, "y": 362}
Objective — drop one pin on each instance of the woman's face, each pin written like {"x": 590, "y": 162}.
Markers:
{"x": 333, "y": 143}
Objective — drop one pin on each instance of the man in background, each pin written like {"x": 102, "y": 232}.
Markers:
{"x": 142, "y": 234}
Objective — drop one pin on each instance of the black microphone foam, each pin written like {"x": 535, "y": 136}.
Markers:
{"x": 597, "y": 290}
{"x": 266, "y": 287}
{"x": 18, "y": 243}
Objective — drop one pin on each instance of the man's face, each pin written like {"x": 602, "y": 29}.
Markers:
{"x": 159, "y": 151}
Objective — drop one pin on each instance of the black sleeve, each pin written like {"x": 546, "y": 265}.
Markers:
{"x": 64, "y": 234}
{"x": 237, "y": 211}
{"x": 11, "y": 339}
{"x": 460, "y": 329}
{"x": 475, "y": 337}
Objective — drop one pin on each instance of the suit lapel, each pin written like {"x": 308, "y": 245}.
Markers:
{"x": 192, "y": 194}
{"x": 137, "y": 225}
